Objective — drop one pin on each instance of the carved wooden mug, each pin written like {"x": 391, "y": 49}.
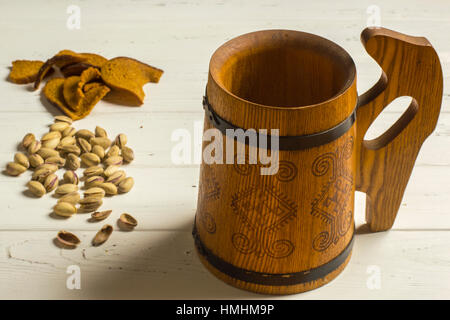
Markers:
{"x": 293, "y": 231}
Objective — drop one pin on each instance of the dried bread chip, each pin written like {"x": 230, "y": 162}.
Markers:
{"x": 92, "y": 60}
{"x": 91, "y": 85}
{"x": 126, "y": 77}
{"x": 61, "y": 59}
{"x": 53, "y": 91}
{"x": 71, "y": 97}
{"x": 87, "y": 76}
{"x": 24, "y": 71}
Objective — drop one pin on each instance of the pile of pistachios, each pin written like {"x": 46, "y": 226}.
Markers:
{"x": 65, "y": 147}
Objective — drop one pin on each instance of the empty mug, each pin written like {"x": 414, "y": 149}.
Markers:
{"x": 293, "y": 230}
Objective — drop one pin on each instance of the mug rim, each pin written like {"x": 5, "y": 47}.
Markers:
{"x": 223, "y": 53}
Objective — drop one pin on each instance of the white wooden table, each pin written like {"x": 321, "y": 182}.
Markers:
{"x": 157, "y": 260}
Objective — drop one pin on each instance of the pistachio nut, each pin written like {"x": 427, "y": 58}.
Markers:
{"x": 63, "y": 119}
{"x": 93, "y": 181}
{"x": 71, "y": 177}
{"x": 121, "y": 140}
{"x": 117, "y": 177}
{"x": 51, "y": 182}
{"x": 90, "y": 204}
{"x": 90, "y": 159}
{"x": 47, "y": 153}
{"x": 113, "y": 151}
{"x": 110, "y": 170}
{"x": 126, "y": 184}
{"x": 59, "y": 126}
{"x": 58, "y": 161}
{"x": 69, "y": 132}
{"x": 34, "y": 147}
{"x": 71, "y": 148}
{"x": 22, "y": 159}
{"x": 35, "y": 160}
{"x": 84, "y": 145}
{"x": 36, "y": 188}
{"x": 100, "y": 132}
{"x": 114, "y": 160}
{"x": 127, "y": 154}
{"x": 99, "y": 151}
{"x": 52, "y": 167}
{"x": 66, "y": 141}
{"x": 85, "y": 134}
{"x": 100, "y": 141}
{"x": 40, "y": 174}
{"x": 94, "y": 192}
{"x": 72, "y": 197}
{"x": 93, "y": 171}
{"x": 72, "y": 162}
{"x": 27, "y": 140}
{"x": 110, "y": 188}
{"x": 66, "y": 189}
{"x": 51, "y": 135}
{"x": 64, "y": 209}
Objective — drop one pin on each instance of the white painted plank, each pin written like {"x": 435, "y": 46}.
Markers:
{"x": 163, "y": 264}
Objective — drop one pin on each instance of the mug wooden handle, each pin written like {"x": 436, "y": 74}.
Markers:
{"x": 411, "y": 67}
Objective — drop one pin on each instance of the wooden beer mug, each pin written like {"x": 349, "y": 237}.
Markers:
{"x": 293, "y": 231}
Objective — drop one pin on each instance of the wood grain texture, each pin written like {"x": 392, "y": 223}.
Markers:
{"x": 411, "y": 67}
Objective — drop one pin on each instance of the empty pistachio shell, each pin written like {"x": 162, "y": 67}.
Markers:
{"x": 117, "y": 177}
{"x": 113, "y": 151}
{"x": 93, "y": 181}
{"x": 100, "y": 141}
{"x": 57, "y": 161}
{"x": 126, "y": 185}
{"x": 51, "y": 135}
{"x": 110, "y": 189}
{"x": 64, "y": 209}
{"x": 121, "y": 140}
{"x": 69, "y": 132}
{"x": 41, "y": 174}
{"x": 22, "y": 159}
{"x": 110, "y": 170}
{"x": 90, "y": 159}
{"x": 50, "y": 166}
{"x": 84, "y": 145}
{"x": 67, "y": 239}
{"x": 51, "y": 182}
{"x": 27, "y": 140}
{"x": 70, "y": 149}
{"x": 34, "y": 147}
{"x": 102, "y": 235}
{"x": 72, "y": 162}
{"x": 100, "y": 132}
{"x": 35, "y": 160}
{"x": 90, "y": 204}
{"x": 59, "y": 126}
{"x": 65, "y": 189}
{"x": 93, "y": 171}
{"x": 114, "y": 160}
{"x": 72, "y": 197}
{"x": 36, "y": 188}
{"x": 99, "y": 151}
{"x": 94, "y": 192}
{"x": 127, "y": 154}
{"x": 85, "y": 134}
{"x": 128, "y": 220}
{"x": 47, "y": 153}
{"x": 71, "y": 177}
{"x": 63, "y": 119}
{"x": 101, "y": 215}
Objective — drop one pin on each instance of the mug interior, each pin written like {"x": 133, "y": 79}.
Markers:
{"x": 283, "y": 68}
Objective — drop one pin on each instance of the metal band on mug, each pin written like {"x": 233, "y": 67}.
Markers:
{"x": 285, "y": 142}
{"x": 271, "y": 279}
